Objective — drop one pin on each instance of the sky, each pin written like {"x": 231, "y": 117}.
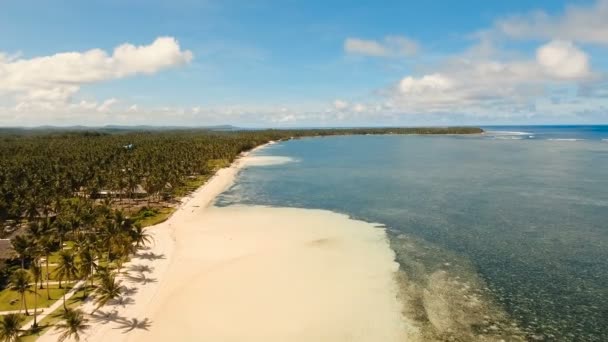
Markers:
{"x": 264, "y": 63}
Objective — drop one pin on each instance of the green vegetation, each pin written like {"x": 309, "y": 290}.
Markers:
{"x": 10, "y": 327}
{"x": 8, "y": 296}
{"x": 73, "y": 324}
{"x": 49, "y": 322}
{"x": 150, "y": 216}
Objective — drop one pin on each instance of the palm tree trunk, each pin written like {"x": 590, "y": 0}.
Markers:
{"x": 35, "y": 306}
{"x": 22, "y": 302}
{"x": 64, "y": 306}
{"x": 84, "y": 286}
{"x": 25, "y": 304}
{"x": 90, "y": 280}
{"x": 48, "y": 293}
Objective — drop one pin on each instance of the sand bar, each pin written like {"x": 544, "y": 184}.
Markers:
{"x": 246, "y": 273}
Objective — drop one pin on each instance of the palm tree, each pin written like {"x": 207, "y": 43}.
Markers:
{"x": 46, "y": 247}
{"x": 20, "y": 282}
{"x": 66, "y": 269}
{"x": 108, "y": 289}
{"x": 21, "y": 245}
{"x": 36, "y": 271}
{"x": 62, "y": 226}
{"x": 73, "y": 324}
{"x": 140, "y": 236}
{"x": 10, "y": 327}
{"x": 87, "y": 264}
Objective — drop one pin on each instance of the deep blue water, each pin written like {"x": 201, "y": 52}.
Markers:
{"x": 520, "y": 223}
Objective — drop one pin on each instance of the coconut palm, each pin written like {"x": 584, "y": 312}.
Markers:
{"x": 107, "y": 289}
{"x": 87, "y": 264}
{"x": 62, "y": 226}
{"x": 140, "y": 236}
{"x": 74, "y": 323}
{"x": 10, "y": 327}
{"x": 45, "y": 246}
{"x": 36, "y": 271}
{"x": 22, "y": 246}
{"x": 20, "y": 283}
{"x": 66, "y": 269}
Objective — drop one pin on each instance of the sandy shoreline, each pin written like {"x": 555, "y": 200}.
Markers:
{"x": 244, "y": 273}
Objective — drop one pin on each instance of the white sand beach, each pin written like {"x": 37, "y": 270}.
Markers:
{"x": 244, "y": 273}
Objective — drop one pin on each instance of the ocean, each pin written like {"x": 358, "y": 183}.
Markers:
{"x": 503, "y": 235}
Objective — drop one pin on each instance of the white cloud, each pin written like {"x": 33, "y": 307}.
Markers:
{"x": 472, "y": 83}
{"x": 133, "y": 109}
{"x": 58, "y": 77}
{"x": 340, "y": 104}
{"x": 390, "y": 46}
{"x": 341, "y": 108}
{"x": 584, "y": 24}
{"x": 107, "y": 105}
{"x": 563, "y": 60}
{"x": 359, "y": 108}
{"x": 434, "y": 82}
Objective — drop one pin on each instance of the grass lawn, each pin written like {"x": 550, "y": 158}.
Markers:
{"x": 161, "y": 215}
{"x": 216, "y": 164}
{"x": 194, "y": 183}
{"x": 190, "y": 185}
{"x": 52, "y": 272}
{"x": 7, "y": 296}
{"x": 54, "y": 257}
{"x": 47, "y": 323}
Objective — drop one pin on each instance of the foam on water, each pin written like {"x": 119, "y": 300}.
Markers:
{"x": 565, "y": 139}
{"x": 508, "y": 133}
{"x": 267, "y": 160}
{"x": 508, "y": 138}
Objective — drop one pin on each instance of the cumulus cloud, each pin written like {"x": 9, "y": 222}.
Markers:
{"x": 340, "y": 104}
{"x": 434, "y": 83}
{"x": 107, "y": 105}
{"x": 390, "y": 46}
{"x": 469, "y": 83}
{"x": 584, "y": 24}
{"x": 562, "y": 59}
{"x": 341, "y": 107}
{"x": 56, "y": 78}
{"x": 133, "y": 108}
{"x": 359, "y": 108}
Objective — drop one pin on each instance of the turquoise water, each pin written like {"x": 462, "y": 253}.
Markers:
{"x": 496, "y": 237}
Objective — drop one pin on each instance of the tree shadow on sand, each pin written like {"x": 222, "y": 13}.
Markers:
{"x": 149, "y": 256}
{"x": 124, "y": 301}
{"x": 105, "y": 317}
{"x": 140, "y": 279}
{"x": 128, "y": 325}
{"x": 129, "y": 291}
{"x": 141, "y": 268}
{"x": 124, "y": 323}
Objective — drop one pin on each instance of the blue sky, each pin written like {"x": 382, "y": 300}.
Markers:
{"x": 303, "y": 63}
